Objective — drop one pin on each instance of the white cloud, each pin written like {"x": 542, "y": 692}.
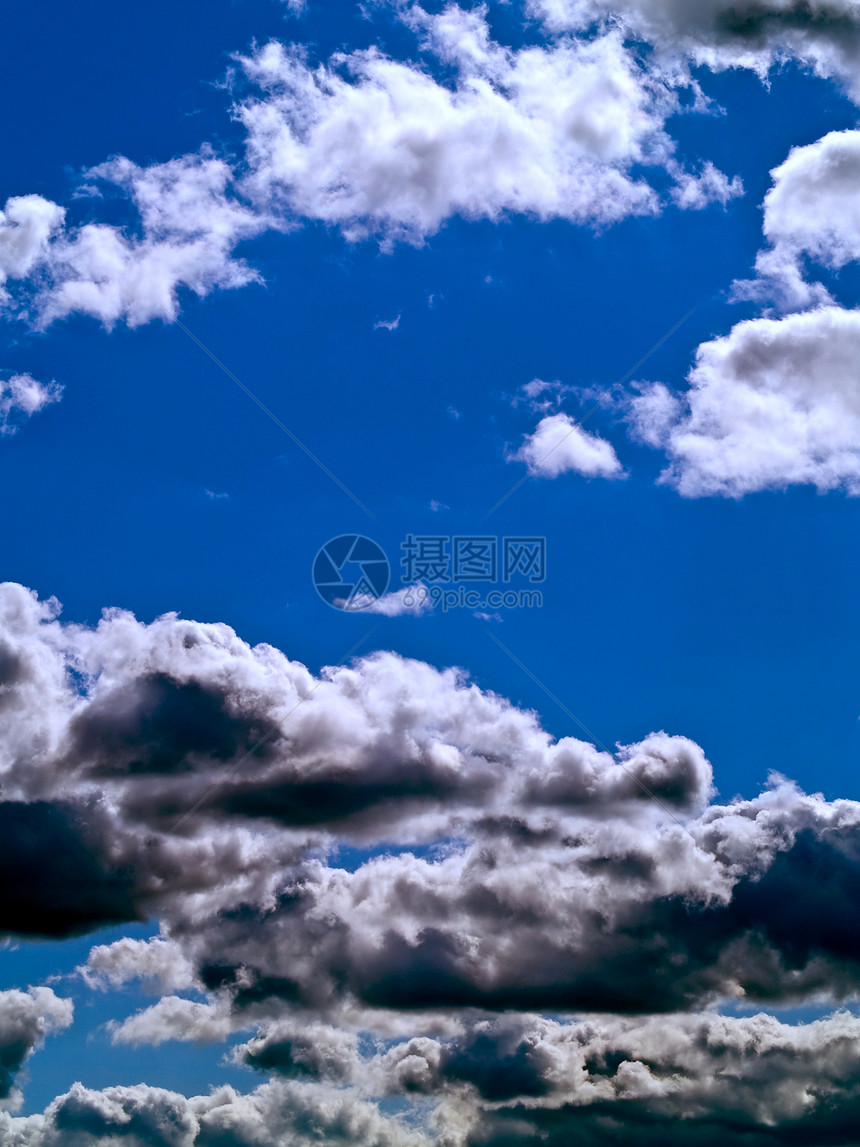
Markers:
{"x": 387, "y": 324}
{"x": 21, "y": 396}
{"x": 542, "y": 397}
{"x": 377, "y": 146}
{"x": 410, "y": 600}
{"x": 811, "y": 216}
{"x": 189, "y": 226}
{"x": 372, "y": 146}
{"x": 157, "y": 963}
{"x": 711, "y": 185}
{"x": 559, "y": 445}
{"x": 175, "y": 1018}
{"x": 26, "y": 227}
{"x": 774, "y": 403}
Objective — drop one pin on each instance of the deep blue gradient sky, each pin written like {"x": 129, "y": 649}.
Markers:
{"x": 732, "y": 622}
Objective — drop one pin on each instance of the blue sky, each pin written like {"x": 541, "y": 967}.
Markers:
{"x": 156, "y": 485}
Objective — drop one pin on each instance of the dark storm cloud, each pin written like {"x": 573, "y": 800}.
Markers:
{"x": 761, "y": 23}
{"x": 506, "y": 873}
{"x": 55, "y": 880}
{"x": 303, "y": 1050}
{"x": 156, "y": 724}
{"x": 564, "y": 884}
{"x": 483, "y": 942}
{"x": 675, "y": 1080}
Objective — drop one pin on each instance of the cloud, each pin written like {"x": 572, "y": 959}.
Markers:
{"x": 188, "y": 224}
{"x": 373, "y": 146}
{"x": 376, "y": 146}
{"x": 158, "y": 963}
{"x": 387, "y": 324}
{"x": 810, "y": 217}
{"x": 410, "y": 600}
{"x": 559, "y": 445}
{"x": 542, "y": 397}
{"x": 26, "y": 227}
{"x": 301, "y": 1049}
{"x": 295, "y": 1114}
{"x": 173, "y": 1018}
{"x": 21, "y": 396}
{"x": 711, "y": 185}
{"x": 774, "y": 403}
{"x": 549, "y": 874}
{"x": 824, "y": 35}
{"x": 675, "y": 1080}
{"x": 490, "y": 873}
{"x": 25, "y": 1019}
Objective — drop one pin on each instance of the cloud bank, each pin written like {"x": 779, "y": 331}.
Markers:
{"x": 388, "y": 853}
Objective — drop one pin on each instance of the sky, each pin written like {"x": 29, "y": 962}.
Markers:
{"x": 296, "y": 858}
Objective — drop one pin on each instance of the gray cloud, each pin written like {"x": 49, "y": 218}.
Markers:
{"x": 558, "y": 876}
{"x": 824, "y": 35}
{"x": 500, "y": 873}
{"x": 774, "y": 403}
{"x": 25, "y": 1019}
{"x": 287, "y": 1113}
{"x": 678, "y": 1080}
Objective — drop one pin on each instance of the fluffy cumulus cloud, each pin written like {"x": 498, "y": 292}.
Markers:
{"x": 774, "y": 403}
{"x": 27, "y": 225}
{"x": 568, "y": 128}
{"x": 811, "y": 219}
{"x": 284, "y": 1112}
{"x": 504, "y": 1080}
{"x": 559, "y": 445}
{"x": 156, "y": 963}
{"x": 824, "y": 35}
{"x": 376, "y": 145}
{"x": 388, "y": 874}
{"x": 186, "y": 229}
